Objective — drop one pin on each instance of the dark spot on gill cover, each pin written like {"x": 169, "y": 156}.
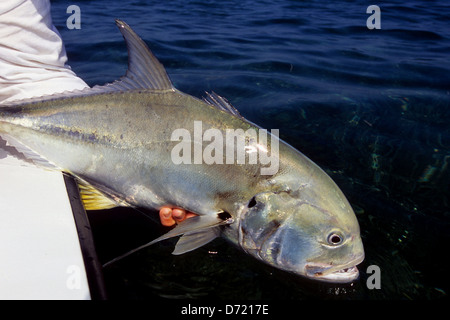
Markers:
{"x": 224, "y": 215}
{"x": 252, "y": 203}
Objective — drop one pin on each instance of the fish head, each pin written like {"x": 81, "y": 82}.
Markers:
{"x": 309, "y": 233}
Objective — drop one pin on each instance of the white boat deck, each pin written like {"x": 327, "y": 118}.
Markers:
{"x": 40, "y": 253}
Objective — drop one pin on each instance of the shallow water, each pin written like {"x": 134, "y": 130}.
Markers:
{"x": 371, "y": 107}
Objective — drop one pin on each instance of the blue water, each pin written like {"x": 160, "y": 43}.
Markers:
{"x": 371, "y": 107}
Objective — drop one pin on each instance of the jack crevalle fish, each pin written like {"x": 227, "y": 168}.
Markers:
{"x": 117, "y": 141}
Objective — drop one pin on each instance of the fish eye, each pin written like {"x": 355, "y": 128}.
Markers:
{"x": 335, "y": 239}
{"x": 252, "y": 203}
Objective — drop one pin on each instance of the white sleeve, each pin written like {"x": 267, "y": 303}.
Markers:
{"x": 32, "y": 55}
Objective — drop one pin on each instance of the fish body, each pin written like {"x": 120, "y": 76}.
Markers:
{"x": 118, "y": 141}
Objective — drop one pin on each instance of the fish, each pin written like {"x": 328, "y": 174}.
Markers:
{"x": 117, "y": 140}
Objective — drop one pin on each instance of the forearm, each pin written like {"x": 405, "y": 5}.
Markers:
{"x": 32, "y": 55}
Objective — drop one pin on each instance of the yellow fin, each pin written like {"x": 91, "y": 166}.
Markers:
{"x": 93, "y": 199}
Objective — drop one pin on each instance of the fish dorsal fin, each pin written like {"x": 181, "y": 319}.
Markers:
{"x": 144, "y": 69}
{"x": 221, "y": 103}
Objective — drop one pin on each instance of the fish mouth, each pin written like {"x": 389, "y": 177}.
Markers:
{"x": 336, "y": 274}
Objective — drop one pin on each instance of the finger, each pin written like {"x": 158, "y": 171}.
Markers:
{"x": 178, "y": 214}
{"x": 190, "y": 215}
{"x": 183, "y": 215}
{"x": 165, "y": 215}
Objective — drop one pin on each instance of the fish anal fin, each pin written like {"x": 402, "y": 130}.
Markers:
{"x": 94, "y": 199}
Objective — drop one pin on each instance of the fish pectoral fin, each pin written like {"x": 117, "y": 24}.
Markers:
{"x": 196, "y": 224}
{"x": 194, "y": 240}
{"x": 197, "y": 231}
